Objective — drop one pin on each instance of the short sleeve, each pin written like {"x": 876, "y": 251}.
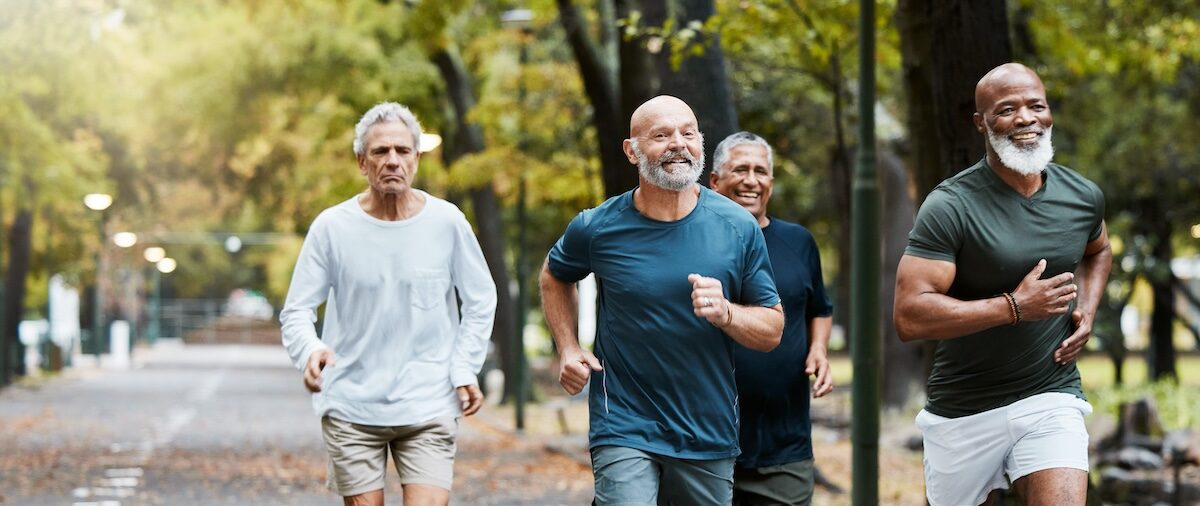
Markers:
{"x": 570, "y": 258}
{"x": 1099, "y": 204}
{"x": 937, "y": 231}
{"x": 758, "y": 279}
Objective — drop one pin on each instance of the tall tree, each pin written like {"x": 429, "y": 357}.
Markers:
{"x": 948, "y": 46}
{"x": 646, "y": 65}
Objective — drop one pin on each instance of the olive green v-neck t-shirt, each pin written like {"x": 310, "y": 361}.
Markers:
{"x": 995, "y": 236}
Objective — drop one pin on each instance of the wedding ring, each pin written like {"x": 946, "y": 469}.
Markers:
{"x": 707, "y": 302}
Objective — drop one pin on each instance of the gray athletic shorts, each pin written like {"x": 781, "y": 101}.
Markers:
{"x": 423, "y": 453}
{"x": 625, "y": 476}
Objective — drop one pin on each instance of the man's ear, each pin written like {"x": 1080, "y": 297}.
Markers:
{"x": 362, "y": 166}
{"x": 978, "y": 119}
{"x": 627, "y": 147}
{"x": 712, "y": 179}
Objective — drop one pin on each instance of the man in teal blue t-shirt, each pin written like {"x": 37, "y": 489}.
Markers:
{"x": 989, "y": 274}
{"x": 683, "y": 275}
{"x": 776, "y": 464}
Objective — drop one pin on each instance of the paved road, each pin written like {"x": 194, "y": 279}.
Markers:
{"x": 222, "y": 425}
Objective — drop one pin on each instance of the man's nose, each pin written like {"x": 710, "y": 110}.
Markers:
{"x": 1025, "y": 116}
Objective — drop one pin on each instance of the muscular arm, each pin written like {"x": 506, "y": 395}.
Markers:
{"x": 1093, "y": 269}
{"x": 1093, "y": 273}
{"x": 755, "y": 327}
{"x": 561, "y": 307}
{"x": 924, "y": 311}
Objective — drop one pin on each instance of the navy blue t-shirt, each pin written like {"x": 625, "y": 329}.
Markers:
{"x": 772, "y": 387}
{"x": 667, "y": 386}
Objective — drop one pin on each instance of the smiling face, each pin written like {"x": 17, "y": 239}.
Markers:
{"x": 745, "y": 177}
{"x": 1015, "y": 118}
{"x": 665, "y": 143}
{"x": 389, "y": 159}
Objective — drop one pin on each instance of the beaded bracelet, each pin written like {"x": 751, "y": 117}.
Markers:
{"x": 1014, "y": 308}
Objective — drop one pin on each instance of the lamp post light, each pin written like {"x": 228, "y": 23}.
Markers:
{"x": 98, "y": 202}
{"x": 520, "y": 19}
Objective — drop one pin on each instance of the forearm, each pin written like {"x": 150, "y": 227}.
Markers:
{"x": 561, "y": 307}
{"x": 818, "y": 333}
{"x": 755, "y": 327}
{"x": 1093, "y": 275}
{"x": 935, "y": 316}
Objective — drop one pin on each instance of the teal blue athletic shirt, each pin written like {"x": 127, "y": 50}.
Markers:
{"x": 667, "y": 386}
{"x": 995, "y": 236}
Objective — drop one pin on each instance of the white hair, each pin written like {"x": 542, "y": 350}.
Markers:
{"x": 721, "y": 154}
{"x": 384, "y": 112}
{"x": 1024, "y": 160}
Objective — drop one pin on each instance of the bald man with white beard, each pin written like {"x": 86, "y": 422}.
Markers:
{"x": 683, "y": 275}
{"x": 989, "y": 275}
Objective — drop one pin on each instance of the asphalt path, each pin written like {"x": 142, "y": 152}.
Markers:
{"x": 223, "y": 425}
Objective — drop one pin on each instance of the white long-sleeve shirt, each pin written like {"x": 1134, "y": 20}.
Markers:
{"x": 392, "y": 321}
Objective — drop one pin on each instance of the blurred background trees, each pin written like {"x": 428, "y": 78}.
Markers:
{"x": 236, "y": 117}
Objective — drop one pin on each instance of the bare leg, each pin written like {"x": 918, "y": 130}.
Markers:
{"x": 417, "y": 494}
{"x": 1060, "y": 486}
{"x": 993, "y": 499}
{"x": 372, "y": 498}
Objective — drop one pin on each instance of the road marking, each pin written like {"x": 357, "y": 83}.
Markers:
{"x": 122, "y": 480}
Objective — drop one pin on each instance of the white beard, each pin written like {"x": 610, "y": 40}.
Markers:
{"x": 1026, "y": 161}
{"x": 679, "y": 180}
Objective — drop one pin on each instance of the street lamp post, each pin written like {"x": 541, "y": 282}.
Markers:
{"x": 98, "y": 202}
{"x": 154, "y": 254}
{"x": 520, "y": 18}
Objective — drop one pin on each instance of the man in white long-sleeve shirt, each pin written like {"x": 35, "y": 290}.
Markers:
{"x": 395, "y": 365}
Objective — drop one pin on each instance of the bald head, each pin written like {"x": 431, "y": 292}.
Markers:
{"x": 999, "y": 79}
{"x": 656, "y": 110}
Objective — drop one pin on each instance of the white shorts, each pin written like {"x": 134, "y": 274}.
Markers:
{"x": 968, "y": 457}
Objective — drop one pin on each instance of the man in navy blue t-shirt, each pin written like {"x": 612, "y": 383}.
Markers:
{"x": 684, "y": 278}
{"x": 776, "y": 464}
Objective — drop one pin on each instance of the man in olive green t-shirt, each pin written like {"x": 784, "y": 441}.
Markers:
{"x": 989, "y": 274}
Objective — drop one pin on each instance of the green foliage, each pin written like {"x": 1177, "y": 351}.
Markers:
{"x": 1178, "y": 405}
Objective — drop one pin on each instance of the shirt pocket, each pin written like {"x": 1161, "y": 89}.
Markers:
{"x": 428, "y": 288}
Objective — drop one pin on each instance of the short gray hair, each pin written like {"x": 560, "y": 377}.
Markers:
{"x": 384, "y": 112}
{"x": 721, "y": 154}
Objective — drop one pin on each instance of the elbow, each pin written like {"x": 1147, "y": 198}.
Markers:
{"x": 905, "y": 328}
{"x": 771, "y": 344}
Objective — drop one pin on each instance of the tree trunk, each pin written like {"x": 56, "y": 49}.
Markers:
{"x": 702, "y": 81}
{"x": 944, "y": 57}
{"x": 1161, "y": 356}
{"x": 469, "y": 139}
{"x": 599, "y": 83}
{"x": 20, "y": 245}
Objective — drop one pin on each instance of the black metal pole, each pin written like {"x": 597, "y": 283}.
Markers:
{"x": 865, "y": 327}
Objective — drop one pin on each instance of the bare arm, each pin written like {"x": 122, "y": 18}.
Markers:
{"x": 924, "y": 311}
{"x": 818, "y": 355}
{"x": 561, "y": 307}
{"x": 755, "y": 327}
{"x": 1093, "y": 271}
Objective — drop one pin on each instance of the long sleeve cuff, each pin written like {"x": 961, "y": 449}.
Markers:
{"x": 461, "y": 377}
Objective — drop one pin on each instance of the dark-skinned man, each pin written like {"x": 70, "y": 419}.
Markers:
{"x": 989, "y": 274}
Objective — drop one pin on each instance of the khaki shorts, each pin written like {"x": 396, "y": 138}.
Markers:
{"x": 423, "y": 453}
